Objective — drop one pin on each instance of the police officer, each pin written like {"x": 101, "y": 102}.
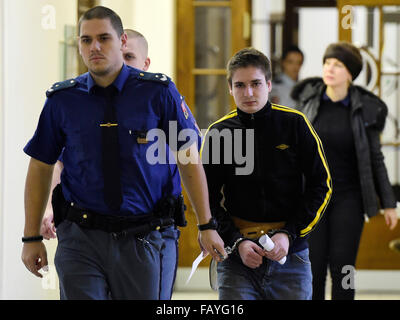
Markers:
{"x": 110, "y": 222}
{"x": 135, "y": 55}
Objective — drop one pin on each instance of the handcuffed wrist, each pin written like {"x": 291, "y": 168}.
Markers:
{"x": 275, "y": 231}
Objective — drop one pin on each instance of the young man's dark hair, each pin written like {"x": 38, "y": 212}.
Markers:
{"x": 249, "y": 57}
{"x": 101, "y": 12}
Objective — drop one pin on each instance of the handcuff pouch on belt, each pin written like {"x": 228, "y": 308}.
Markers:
{"x": 59, "y": 205}
{"x": 172, "y": 207}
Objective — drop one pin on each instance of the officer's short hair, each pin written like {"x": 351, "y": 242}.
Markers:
{"x": 133, "y": 34}
{"x": 101, "y": 12}
{"x": 249, "y": 57}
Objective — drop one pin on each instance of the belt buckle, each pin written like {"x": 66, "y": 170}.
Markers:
{"x": 255, "y": 233}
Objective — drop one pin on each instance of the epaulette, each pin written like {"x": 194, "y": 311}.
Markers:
{"x": 61, "y": 86}
{"x": 156, "y": 77}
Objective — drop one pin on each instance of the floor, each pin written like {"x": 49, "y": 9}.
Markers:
{"x": 370, "y": 285}
{"x": 211, "y": 295}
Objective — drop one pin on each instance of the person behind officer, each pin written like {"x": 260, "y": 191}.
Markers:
{"x": 135, "y": 55}
{"x": 349, "y": 121}
{"x": 285, "y": 194}
{"x": 109, "y": 207}
{"x": 291, "y": 62}
{"x": 136, "y": 51}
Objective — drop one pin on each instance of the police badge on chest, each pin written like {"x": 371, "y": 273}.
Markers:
{"x": 141, "y": 136}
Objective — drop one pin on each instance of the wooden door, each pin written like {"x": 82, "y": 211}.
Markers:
{"x": 208, "y": 34}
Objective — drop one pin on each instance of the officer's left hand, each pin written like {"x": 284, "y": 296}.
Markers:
{"x": 210, "y": 242}
{"x": 281, "y": 248}
{"x": 47, "y": 228}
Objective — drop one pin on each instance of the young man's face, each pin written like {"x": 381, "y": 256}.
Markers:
{"x": 249, "y": 89}
{"x": 100, "y": 46}
{"x": 134, "y": 54}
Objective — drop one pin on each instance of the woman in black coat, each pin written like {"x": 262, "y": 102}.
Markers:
{"x": 349, "y": 121}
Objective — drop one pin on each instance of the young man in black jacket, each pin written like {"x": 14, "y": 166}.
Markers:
{"x": 281, "y": 187}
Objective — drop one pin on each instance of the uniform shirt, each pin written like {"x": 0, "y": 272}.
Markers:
{"x": 281, "y": 88}
{"x": 71, "y": 120}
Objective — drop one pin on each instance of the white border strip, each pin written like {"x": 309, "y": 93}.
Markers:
{"x": 2, "y": 135}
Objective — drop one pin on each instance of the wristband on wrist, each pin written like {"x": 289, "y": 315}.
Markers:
{"x": 32, "y": 239}
{"x": 211, "y": 225}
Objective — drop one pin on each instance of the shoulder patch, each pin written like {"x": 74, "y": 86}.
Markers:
{"x": 61, "y": 86}
{"x": 156, "y": 77}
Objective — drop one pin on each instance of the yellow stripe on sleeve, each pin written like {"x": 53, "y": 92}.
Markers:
{"x": 228, "y": 116}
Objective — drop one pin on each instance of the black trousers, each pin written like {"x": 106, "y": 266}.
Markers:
{"x": 334, "y": 244}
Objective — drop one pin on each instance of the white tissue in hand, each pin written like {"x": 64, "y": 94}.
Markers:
{"x": 269, "y": 245}
{"x": 266, "y": 242}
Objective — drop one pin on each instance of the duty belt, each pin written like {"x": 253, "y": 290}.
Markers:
{"x": 118, "y": 226}
{"x": 164, "y": 214}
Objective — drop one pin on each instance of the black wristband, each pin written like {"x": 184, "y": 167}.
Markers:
{"x": 32, "y": 239}
{"x": 211, "y": 225}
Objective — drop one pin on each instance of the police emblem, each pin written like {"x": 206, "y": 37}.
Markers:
{"x": 185, "y": 112}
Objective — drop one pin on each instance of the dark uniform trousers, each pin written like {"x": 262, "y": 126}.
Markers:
{"x": 92, "y": 264}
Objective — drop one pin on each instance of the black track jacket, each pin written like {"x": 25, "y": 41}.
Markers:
{"x": 286, "y": 176}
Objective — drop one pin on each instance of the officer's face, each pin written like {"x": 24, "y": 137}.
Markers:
{"x": 134, "y": 54}
{"x": 250, "y": 89}
{"x": 101, "y": 47}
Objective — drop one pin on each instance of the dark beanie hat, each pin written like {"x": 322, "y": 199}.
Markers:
{"x": 348, "y": 54}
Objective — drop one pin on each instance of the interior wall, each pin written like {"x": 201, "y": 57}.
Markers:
{"x": 313, "y": 43}
{"x": 31, "y": 52}
{"x": 123, "y": 8}
{"x": 1, "y": 137}
{"x": 260, "y": 28}
{"x": 156, "y": 20}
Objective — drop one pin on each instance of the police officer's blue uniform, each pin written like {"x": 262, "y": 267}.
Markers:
{"x": 90, "y": 263}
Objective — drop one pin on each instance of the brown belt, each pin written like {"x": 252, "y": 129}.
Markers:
{"x": 254, "y": 230}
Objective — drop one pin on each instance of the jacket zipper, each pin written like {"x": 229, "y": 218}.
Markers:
{"x": 257, "y": 161}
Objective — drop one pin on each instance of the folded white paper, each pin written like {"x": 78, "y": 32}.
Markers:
{"x": 195, "y": 264}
